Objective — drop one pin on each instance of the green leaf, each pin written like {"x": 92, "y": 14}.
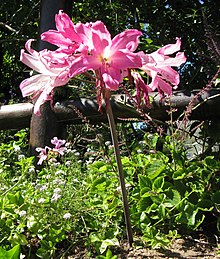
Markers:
{"x": 172, "y": 198}
{"x": 205, "y": 205}
{"x": 158, "y": 184}
{"x": 155, "y": 168}
{"x": 144, "y": 218}
{"x": 99, "y": 184}
{"x": 18, "y": 239}
{"x": 179, "y": 174}
{"x": 108, "y": 242}
{"x": 94, "y": 237}
{"x": 144, "y": 203}
{"x": 14, "y": 253}
{"x": 144, "y": 181}
{"x": 216, "y": 197}
{"x": 210, "y": 162}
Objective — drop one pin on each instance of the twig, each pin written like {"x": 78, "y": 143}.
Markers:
{"x": 7, "y": 27}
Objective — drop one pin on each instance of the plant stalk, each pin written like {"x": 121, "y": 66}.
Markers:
{"x": 114, "y": 137}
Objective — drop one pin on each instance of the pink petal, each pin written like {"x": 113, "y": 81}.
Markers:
{"x": 46, "y": 95}
{"x": 169, "y": 74}
{"x": 111, "y": 78}
{"x": 125, "y": 59}
{"x": 31, "y": 61}
{"x": 29, "y": 49}
{"x": 154, "y": 83}
{"x": 82, "y": 64}
{"x": 174, "y": 62}
{"x": 164, "y": 86}
{"x": 33, "y": 84}
{"x": 128, "y": 39}
{"x": 56, "y": 38}
{"x": 99, "y": 43}
{"x": 170, "y": 48}
{"x": 85, "y": 34}
{"x": 63, "y": 21}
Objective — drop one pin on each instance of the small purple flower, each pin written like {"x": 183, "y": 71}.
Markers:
{"x": 58, "y": 143}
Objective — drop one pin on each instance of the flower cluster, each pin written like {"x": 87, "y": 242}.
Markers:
{"x": 89, "y": 46}
{"x": 47, "y": 152}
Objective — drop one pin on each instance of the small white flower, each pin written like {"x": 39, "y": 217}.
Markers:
{"x": 20, "y": 157}
{"x": 22, "y": 213}
{"x": 16, "y": 147}
{"x": 67, "y": 144}
{"x": 127, "y": 186}
{"x": 59, "y": 172}
{"x": 107, "y": 143}
{"x": 58, "y": 182}
{"x": 139, "y": 151}
{"x": 57, "y": 164}
{"x": 41, "y": 187}
{"x": 31, "y": 169}
{"x": 22, "y": 256}
{"x": 57, "y": 190}
{"x": 41, "y": 200}
{"x": 77, "y": 154}
{"x": 67, "y": 216}
{"x": 48, "y": 176}
{"x": 68, "y": 163}
{"x": 56, "y": 197}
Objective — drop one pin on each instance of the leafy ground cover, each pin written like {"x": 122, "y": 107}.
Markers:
{"x": 73, "y": 204}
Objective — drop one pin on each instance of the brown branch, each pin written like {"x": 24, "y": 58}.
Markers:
{"x": 17, "y": 116}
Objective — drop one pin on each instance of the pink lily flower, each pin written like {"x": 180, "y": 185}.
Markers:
{"x": 65, "y": 37}
{"x": 51, "y": 74}
{"x": 108, "y": 57}
{"x": 158, "y": 66}
{"x": 43, "y": 154}
{"x": 58, "y": 143}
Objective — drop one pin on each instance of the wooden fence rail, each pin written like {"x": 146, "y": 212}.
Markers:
{"x": 206, "y": 107}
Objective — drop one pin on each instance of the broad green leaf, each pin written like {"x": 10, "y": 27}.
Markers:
{"x": 108, "y": 242}
{"x": 144, "y": 218}
{"x": 158, "y": 198}
{"x": 99, "y": 184}
{"x": 94, "y": 237}
{"x": 144, "y": 203}
{"x": 13, "y": 253}
{"x": 158, "y": 184}
{"x": 179, "y": 174}
{"x": 172, "y": 198}
{"x": 205, "y": 205}
{"x": 154, "y": 169}
{"x": 210, "y": 162}
{"x": 144, "y": 181}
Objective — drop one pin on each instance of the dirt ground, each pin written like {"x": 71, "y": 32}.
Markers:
{"x": 187, "y": 248}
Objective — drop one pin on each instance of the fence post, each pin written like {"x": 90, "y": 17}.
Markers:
{"x": 43, "y": 128}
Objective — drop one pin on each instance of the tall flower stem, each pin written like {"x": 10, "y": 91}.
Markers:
{"x": 114, "y": 137}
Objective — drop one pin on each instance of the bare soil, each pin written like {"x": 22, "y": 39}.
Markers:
{"x": 184, "y": 248}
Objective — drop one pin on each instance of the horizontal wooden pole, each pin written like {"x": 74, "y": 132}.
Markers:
{"x": 206, "y": 107}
